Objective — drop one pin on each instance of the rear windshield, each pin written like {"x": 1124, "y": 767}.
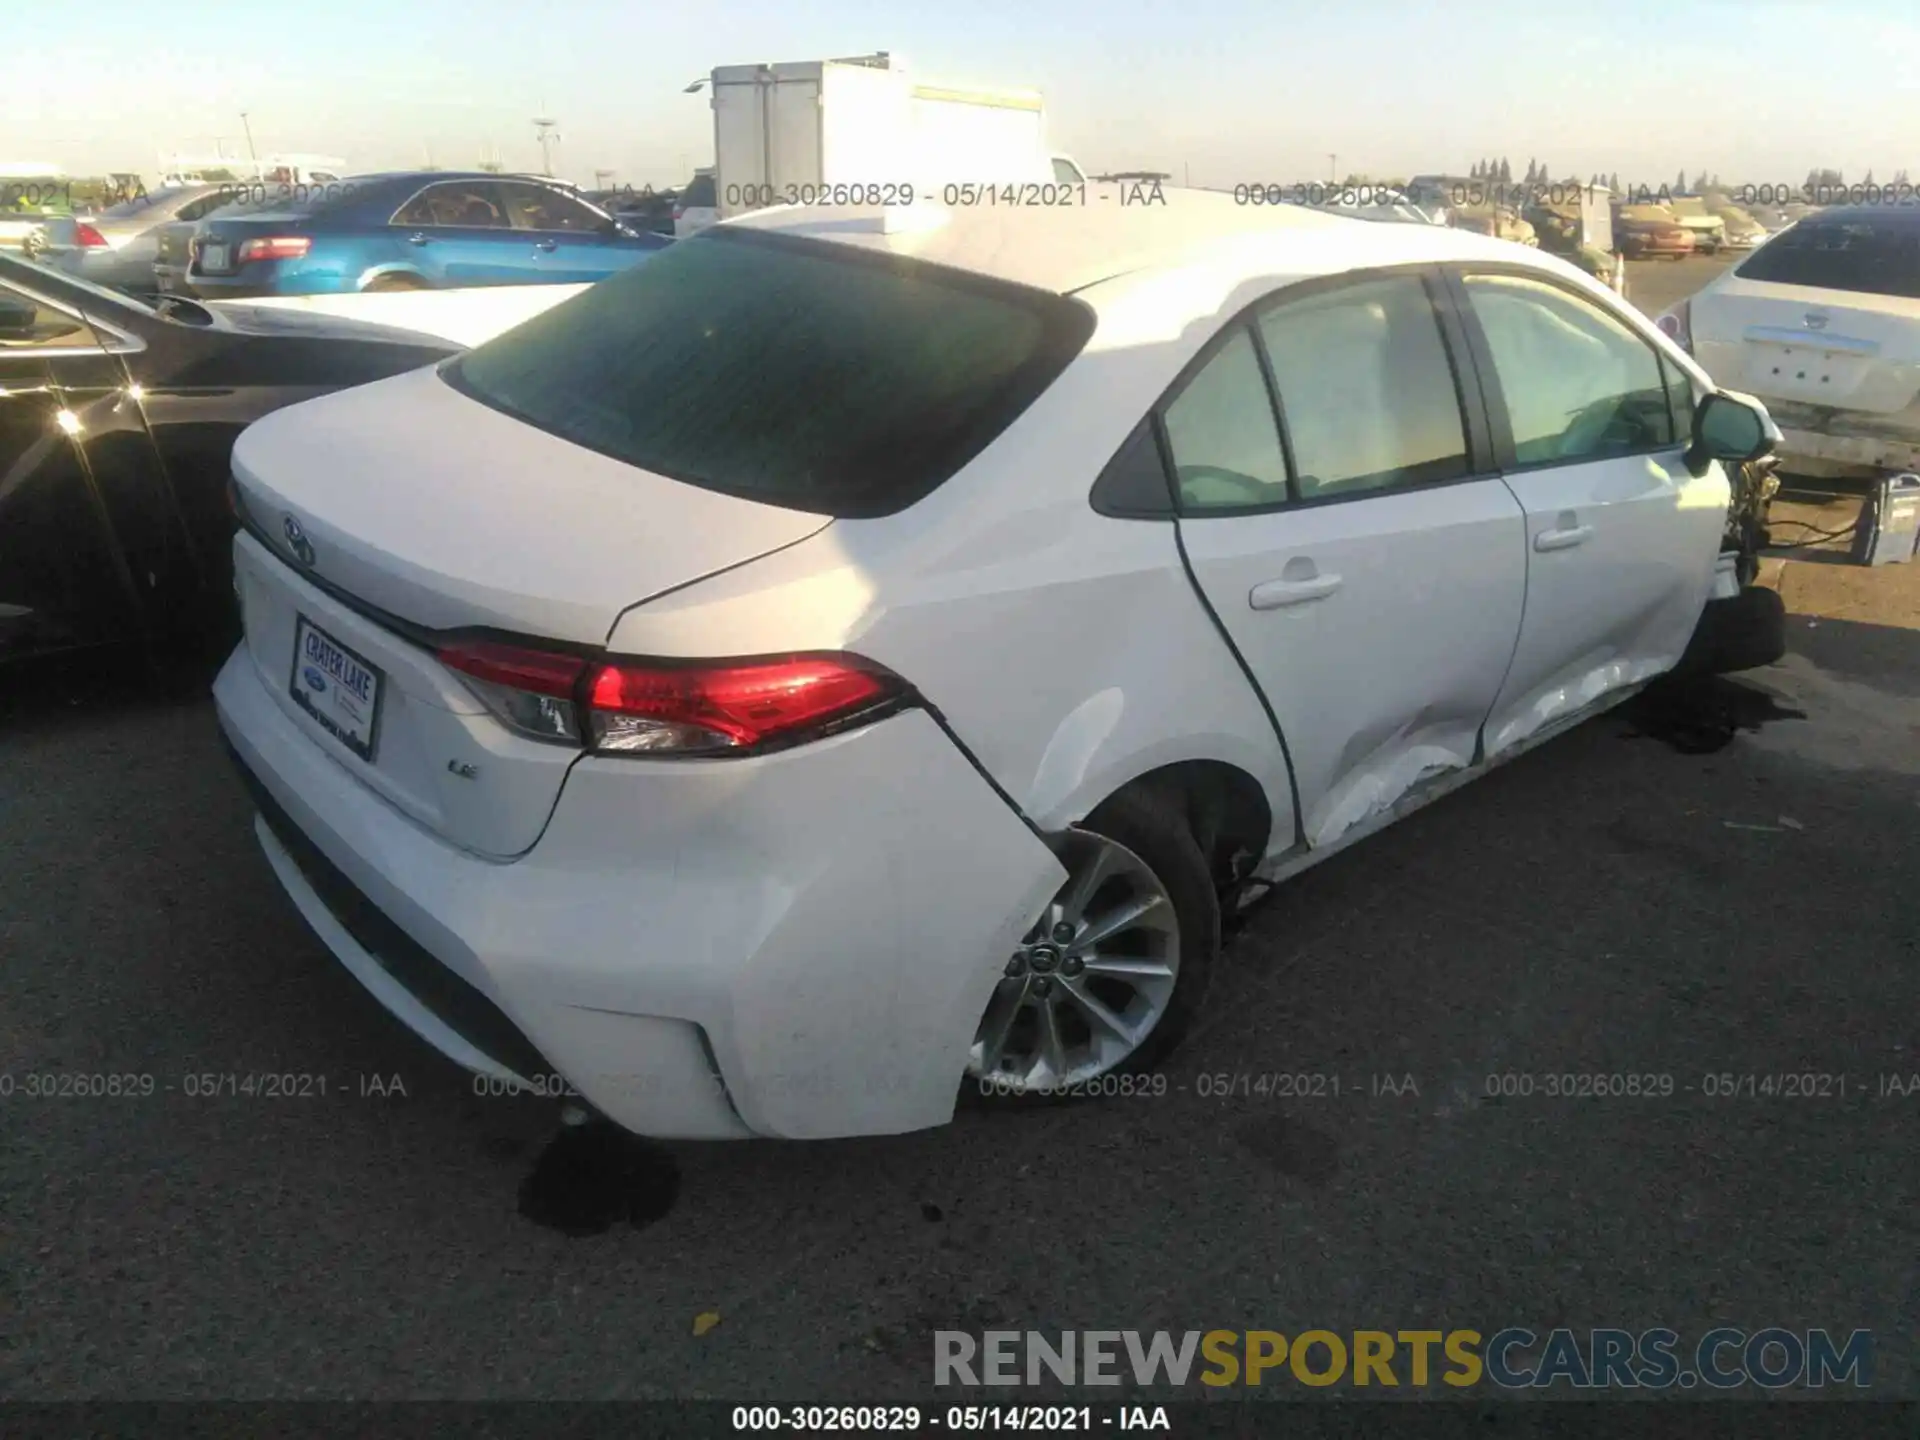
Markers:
{"x": 144, "y": 201}
{"x": 805, "y": 374}
{"x": 699, "y": 195}
{"x": 1874, "y": 256}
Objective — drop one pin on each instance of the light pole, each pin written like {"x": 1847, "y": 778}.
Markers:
{"x": 547, "y": 135}
{"x": 251, "y": 153}
{"x": 1332, "y": 168}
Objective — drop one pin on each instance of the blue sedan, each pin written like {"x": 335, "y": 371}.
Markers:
{"x": 408, "y": 231}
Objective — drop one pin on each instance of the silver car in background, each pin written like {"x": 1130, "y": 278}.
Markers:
{"x": 125, "y": 240}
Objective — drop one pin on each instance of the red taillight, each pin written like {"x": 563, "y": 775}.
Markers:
{"x": 642, "y": 707}
{"x": 274, "y": 247}
{"x": 636, "y": 706}
{"x": 678, "y": 211}
{"x": 88, "y": 238}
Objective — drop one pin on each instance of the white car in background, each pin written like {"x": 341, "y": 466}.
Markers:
{"x": 861, "y": 654}
{"x": 1823, "y": 324}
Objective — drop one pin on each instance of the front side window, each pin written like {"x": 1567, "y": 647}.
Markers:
{"x": 1578, "y": 383}
{"x": 1222, "y": 434}
{"x": 536, "y": 207}
{"x": 1366, "y": 388}
{"x": 1680, "y": 400}
{"x": 806, "y": 374}
{"x": 457, "y": 204}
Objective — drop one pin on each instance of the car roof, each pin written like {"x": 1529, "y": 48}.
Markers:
{"x": 1070, "y": 247}
{"x": 429, "y": 177}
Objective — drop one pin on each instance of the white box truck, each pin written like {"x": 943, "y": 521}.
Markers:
{"x": 804, "y": 131}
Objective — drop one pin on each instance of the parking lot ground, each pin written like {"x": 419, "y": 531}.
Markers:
{"x": 1626, "y": 901}
{"x": 1656, "y": 285}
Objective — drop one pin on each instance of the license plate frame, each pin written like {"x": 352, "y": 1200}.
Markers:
{"x": 324, "y": 687}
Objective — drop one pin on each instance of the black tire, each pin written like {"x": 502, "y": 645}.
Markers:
{"x": 387, "y": 284}
{"x": 1741, "y": 633}
{"x": 1151, "y": 824}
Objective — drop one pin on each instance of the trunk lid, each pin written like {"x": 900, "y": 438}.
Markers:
{"x": 403, "y": 507}
{"x": 1831, "y": 349}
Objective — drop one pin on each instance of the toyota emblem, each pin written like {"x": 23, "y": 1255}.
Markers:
{"x": 297, "y": 541}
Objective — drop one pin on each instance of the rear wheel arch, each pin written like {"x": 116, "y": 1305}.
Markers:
{"x": 1224, "y": 807}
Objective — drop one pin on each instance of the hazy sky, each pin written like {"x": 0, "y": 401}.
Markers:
{"x": 1229, "y": 91}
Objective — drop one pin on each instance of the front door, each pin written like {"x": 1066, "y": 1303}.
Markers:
{"x": 569, "y": 242}
{"x": 1621, "y": 538}
{"x": 79, "y": 481}
{"x": 1367, "y": 568}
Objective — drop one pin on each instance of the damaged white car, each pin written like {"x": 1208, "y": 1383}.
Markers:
{"x": 1823, "y": 323}
{"x": 863, "y": 654}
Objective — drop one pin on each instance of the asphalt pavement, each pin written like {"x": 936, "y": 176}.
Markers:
{"x": 1711, "y": 887}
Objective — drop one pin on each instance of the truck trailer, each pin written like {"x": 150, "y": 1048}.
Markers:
{"x": 864, "y": 131}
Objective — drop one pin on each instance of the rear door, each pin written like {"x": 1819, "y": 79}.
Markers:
{"x": 569, "y": 243}
{"x": 458, "y": 232}
{"x": 1588, "y": 422}
{"x": 1354, "y": 543}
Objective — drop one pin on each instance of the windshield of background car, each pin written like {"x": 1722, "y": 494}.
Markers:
{"x": 1875, "y": 256}
{"x": 801, "y": 373}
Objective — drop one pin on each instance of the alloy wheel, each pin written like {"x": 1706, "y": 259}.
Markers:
{"x": 1091, "y": 980}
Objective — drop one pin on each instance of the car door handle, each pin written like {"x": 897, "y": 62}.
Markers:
{"x": 1563, "y": 539}
{"x": 1274, "y": 594}
{"x": 416, "y": 239}
{"x": 546, "y": 244}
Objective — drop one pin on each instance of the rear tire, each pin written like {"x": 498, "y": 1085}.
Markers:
{"x": 1145, "y": 838}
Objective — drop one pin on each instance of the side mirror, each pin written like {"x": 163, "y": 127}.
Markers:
{"x": 1729, "y": 427}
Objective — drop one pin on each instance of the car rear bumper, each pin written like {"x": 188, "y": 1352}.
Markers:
{"x": 796, "y": 945}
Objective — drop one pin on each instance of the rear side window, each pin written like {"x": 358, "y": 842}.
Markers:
{"x": 1222, "y": 434}
{"x": 468, "y": 205}
{"x": 800, "y": 373}
{"x": 1874, "y": 256}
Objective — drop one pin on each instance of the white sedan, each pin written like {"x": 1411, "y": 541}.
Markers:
{"x": 861, "y": 653}
{"x": 1823, "y": 323}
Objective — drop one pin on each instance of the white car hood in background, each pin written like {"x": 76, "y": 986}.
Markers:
{"x": 430, "y": 506}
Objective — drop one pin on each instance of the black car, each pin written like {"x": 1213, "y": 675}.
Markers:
{"x": 117, "y": 423}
